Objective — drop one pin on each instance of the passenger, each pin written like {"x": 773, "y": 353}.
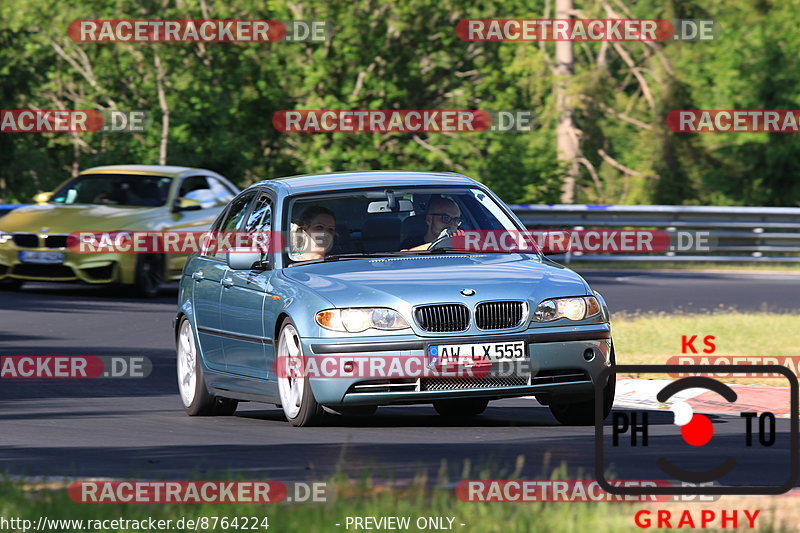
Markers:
{"x": 442, "y": 214}
{"x": 314, "y": 235}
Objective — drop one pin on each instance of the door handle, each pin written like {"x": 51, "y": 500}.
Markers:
{"x": 227, "y": 282}
{"x": 198, "y": 276}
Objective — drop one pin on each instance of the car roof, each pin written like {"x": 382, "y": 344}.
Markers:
{"x": 141, "y": 170}
{"x": 350, "y": 180}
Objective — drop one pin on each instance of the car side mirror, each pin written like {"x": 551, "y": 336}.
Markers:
{"x": 246, "y": 259}
{"x": 42, "y": 197}
{"x": 186, "y": 204}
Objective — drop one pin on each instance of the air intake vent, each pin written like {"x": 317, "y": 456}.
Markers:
{"x": 442, "y": 318}
{"x": 499, "y": 315}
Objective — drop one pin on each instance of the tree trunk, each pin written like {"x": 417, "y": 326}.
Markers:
{"x": 566, "y": 140}
{"x": 162, "y": 101}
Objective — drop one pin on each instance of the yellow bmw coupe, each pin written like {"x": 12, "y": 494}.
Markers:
{"x": 33, "y": 239}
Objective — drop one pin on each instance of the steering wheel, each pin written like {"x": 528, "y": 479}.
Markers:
{"x": 444, "y": 237}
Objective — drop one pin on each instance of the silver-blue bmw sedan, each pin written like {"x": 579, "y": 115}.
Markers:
{"x": 367, "y": 295}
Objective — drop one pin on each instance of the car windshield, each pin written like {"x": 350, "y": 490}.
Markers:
{"x": 115, "y": 189}
{"x": 395, "y": 221}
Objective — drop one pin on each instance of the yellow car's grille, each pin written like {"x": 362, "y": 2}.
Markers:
{"x": 26, "y": 240}
{"x": 31, "y": 240}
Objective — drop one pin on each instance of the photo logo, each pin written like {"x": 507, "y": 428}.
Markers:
{"x": 735, "y": 448}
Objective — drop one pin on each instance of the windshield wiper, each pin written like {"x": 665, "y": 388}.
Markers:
{"x": 341, "y": 257}
{"x": 470, "y": 252}
{"x": 362, "y": 255}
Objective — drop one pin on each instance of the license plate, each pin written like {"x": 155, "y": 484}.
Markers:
{"x": 483, "y": 353}
{"x": 42, "y": 258}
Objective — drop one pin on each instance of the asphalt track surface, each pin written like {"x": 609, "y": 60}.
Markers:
{"x": 137, "y": 428}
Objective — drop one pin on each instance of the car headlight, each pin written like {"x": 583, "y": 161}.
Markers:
{"x": 5, "y": 237}
{"x": 569, "y": 308}
{"x": 358, "y": 319}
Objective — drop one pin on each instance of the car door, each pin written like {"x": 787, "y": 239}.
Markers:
{"x": 209, "y": 271}
{"x": 243, "y": 293}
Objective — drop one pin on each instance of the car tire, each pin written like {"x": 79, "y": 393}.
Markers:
{"x": 297, "y": 399}
{"x": 581, "y": 412}
{"x": 196, "y": 399}
{"x": 11, "y": 284}
{"x": 149, "y": 275}
{"x": 465, "y": 407}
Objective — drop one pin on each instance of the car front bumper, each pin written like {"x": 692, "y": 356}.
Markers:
{"x": 88, "y": 268}
{"x": 557, "y": 364}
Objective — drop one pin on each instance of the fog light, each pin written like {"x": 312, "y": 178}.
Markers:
{"x": 588, "y": 354}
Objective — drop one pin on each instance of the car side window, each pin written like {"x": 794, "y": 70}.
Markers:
{"x": 233, "y": 218}
{"x": 222, "y": 194}
{"x": 207, "y": 190}
{"x": 260, "y": 218}
{"x": 259, "y": 223}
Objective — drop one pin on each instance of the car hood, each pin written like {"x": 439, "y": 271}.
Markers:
{"x": 400, "y": 282}
{"x": 72, "y": 218}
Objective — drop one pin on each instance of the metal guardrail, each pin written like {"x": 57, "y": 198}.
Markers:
{"x": 752, "y": 234}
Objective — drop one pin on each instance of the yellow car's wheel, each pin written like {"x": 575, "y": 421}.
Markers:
{"x": 149, "y": 275}
{"x": 11, "y": 284}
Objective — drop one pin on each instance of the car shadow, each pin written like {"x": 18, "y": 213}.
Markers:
{"x": 425, "y": 416}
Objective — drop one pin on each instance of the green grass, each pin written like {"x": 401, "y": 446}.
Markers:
{"x": 354, "y": 500}
{"x": 654, "y": 337}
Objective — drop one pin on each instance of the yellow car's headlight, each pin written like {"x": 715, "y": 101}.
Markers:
{"x": 570, "y": 308}
{"x": 5, "y": 237}
{"x": 358, "y": 319}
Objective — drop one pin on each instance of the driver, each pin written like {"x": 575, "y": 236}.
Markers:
{"x": 442, "y": 214}
{"x": 314, "y": 233}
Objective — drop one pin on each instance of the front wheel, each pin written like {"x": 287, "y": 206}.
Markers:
{"x": 581, "y": 412}
{"x": 196, "y": 399}
{"x": 149, "y": 275}
{"x": 11, "y": 284}
{"x": 297, "y": 399}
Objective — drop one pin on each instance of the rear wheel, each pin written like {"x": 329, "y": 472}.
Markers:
{"x": 149, "y": 275}
{"x": 465, "y": 407}
{"x": 196, "y": 399}
{"x": 297, "y": 399}
{"x": 11, "y": 284}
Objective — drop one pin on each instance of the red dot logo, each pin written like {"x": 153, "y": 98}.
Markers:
{"x": 698, "y": 431}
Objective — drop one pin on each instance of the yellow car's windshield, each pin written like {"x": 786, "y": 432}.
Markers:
{"x": 115, "y": 189}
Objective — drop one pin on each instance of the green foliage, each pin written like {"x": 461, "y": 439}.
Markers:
{"x": 405, "y": 55}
